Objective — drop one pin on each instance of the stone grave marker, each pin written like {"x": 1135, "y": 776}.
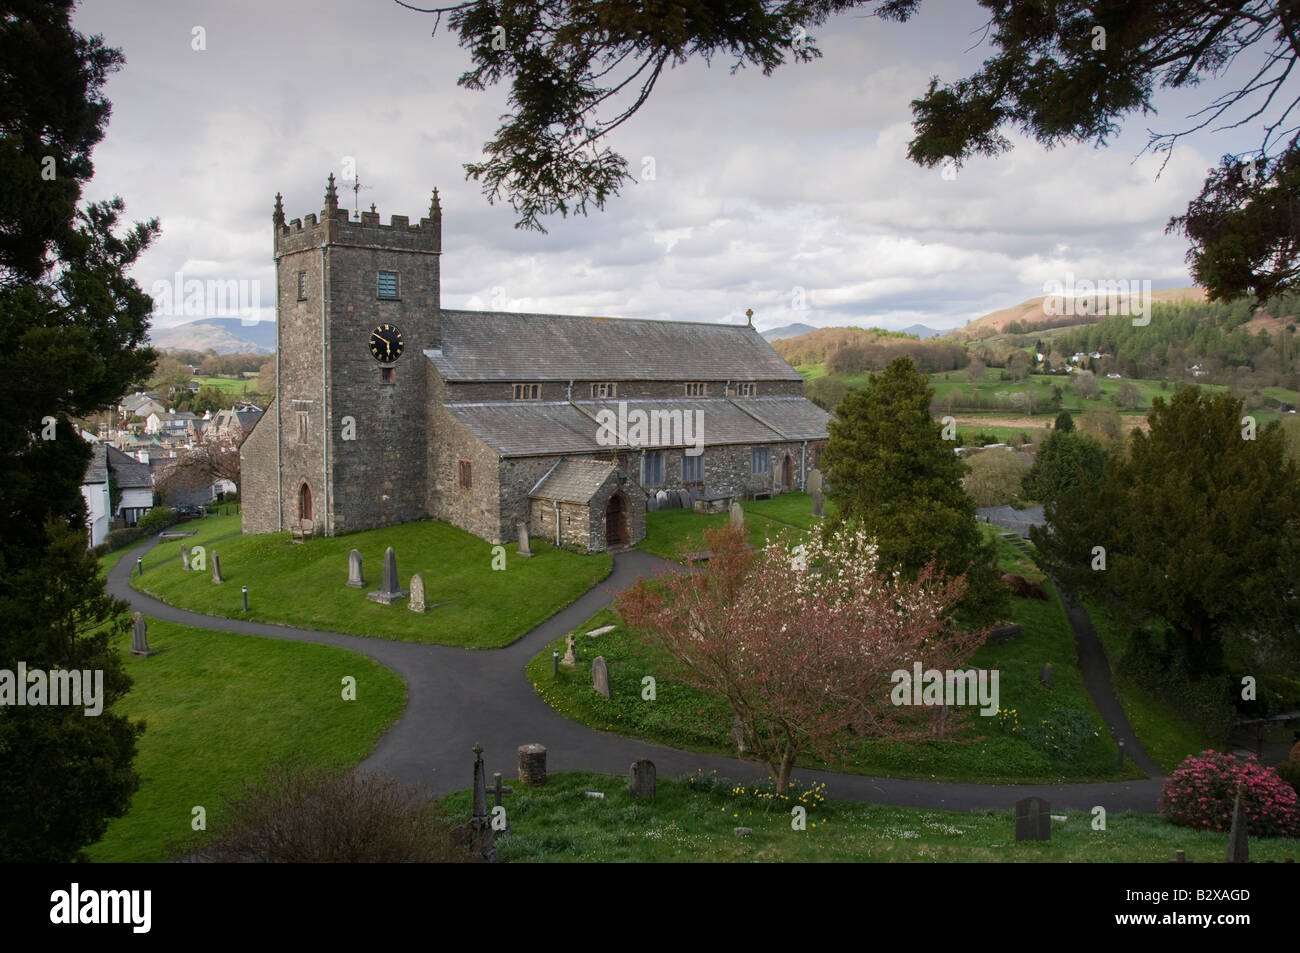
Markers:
{"x": 602, "y": 630}
{"x": 139, "y": 635}
{"x": 569, "y": 657}
{"x": 815, "y": 488}
{"x": 391, "y": 590}
{"x": 524, "y": 549}
{"x": 661, "y": 500}
{"x": 1238, "y": 845}
{"x": 737, "y": 516}
{"x": 641, "y": 779}
{"x": 356, "y": 579}
{"x": 600, "y": 675}
{"x": 185, "y": 558}
{"x": 216, "y": 568}
{"x": 417, "y": 594}
{"x": 1033, "y": 819}
{"x": 532, "y": 764}
{"x": 1045, "y": 676}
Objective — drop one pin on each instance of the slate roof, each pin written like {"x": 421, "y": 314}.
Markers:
{"x": 507, "y": 346}
{"x": 573, "y": 481}
{"x": 97, "y": 469}
{"x": 532, "y": 428}
{"x": 128, "y": 472}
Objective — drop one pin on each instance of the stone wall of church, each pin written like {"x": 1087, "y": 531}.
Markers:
{"x": 476, "y": 510}
{"x": 299, "y": 389}
{"x": 258, "y": 482}
{"x": 730, "y": 468}
{"x": 518, "y": 477}
{"x": 576, "y": 525}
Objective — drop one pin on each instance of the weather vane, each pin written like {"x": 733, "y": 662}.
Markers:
{"x": 356, "y": 194}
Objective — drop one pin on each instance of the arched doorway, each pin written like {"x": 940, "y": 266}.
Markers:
{"x": 616, "y": 521}
{"x": 787, "y": 472}
{"x": 304, "y": 501}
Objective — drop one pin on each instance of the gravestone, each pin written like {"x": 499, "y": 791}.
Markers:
{"x": 139, "y": 635}
{"x": 216, "y": 567}
{"x": 684, "y": 500}
{"x": 532, "y": 764}
{"x": 737, "y": 516}
{"x": 600, "y": 675}
{"x": 641, "y": 779}
{"x": 1238, "y": 846}
{"x": 390, "y": 592}
{"x": 602, "y": 630}
{"x": 1033, "y": 819}
{"x": 661, "y": 500}
{"x": 524, "y": 549}
{"x": 1045, "y": 676}
{"x": 417, "y": 594}
{"x": 481, "y": 836}
{"x": 185, "y": 558}
{"x": 815, "y": 488}
{"x": 569, "y": 657}
{"x": 651, "y": 504}
{"x": 356, "y": 579}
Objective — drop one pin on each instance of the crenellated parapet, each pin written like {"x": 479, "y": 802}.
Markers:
{"x": 336, "y": 227}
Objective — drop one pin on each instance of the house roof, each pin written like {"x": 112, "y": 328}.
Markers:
{"x": 573, "y": 481}
{"x": 530, "y": 428}
{"x": 128, "y": 472}
{"x": 97, "y": 469}
{"x": 507, "y": 346}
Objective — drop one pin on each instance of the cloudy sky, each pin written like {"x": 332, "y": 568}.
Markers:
{"x": 763, "y": 185}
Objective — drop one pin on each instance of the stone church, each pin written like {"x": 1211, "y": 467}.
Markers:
{"x": 389, "y": 408}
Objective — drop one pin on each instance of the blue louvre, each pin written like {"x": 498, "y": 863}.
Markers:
{"x": 388, "y": 284}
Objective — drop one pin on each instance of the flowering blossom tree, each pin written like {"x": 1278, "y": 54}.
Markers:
{"x": 801, "y": 641}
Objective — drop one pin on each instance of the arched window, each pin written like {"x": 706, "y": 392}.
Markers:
{"x": 304, "y": 501}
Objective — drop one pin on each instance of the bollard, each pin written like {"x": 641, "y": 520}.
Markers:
{"x": 139, "y": 564}
{"x": 555, "y": 662}
{"x": 1121, "y": 752}
{"x": 245, "y": 589}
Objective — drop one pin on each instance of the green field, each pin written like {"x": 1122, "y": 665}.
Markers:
{"x": 230, "y": 385}
{"x": 693, "y": 820}
{"x": 221, "y": 708}
{"x": 682, "y": 717}
{"x": 470, "y": 603}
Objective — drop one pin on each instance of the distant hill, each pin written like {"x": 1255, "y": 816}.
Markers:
{"x": 1030, "y": 314}
{"x": 789, "y": 331}
{"x": 223, "y": 335}
{"x": 921, "y": 331}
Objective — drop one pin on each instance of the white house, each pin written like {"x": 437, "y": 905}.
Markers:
{"x": 95, "y": 491}
{"x": 135, "y": 481}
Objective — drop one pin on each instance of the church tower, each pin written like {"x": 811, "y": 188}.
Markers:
{"x": 357, "y": 304}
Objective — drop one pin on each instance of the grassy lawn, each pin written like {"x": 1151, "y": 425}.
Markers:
{"x": 219, "y": 710}
{"x": 206, "y": 531}
{"x": 982, "y": 751}
{"x": 693, "y": 821}
{"x": 1166, "y": 735}
{"x": 470, "y": 604}
{"x": 229, "y": 385}
{"x": 667, "y": 531}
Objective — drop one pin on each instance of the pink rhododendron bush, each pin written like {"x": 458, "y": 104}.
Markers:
{"x": 1200, "y": 794}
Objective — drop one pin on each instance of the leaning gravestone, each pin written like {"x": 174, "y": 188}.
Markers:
{"x": 216, "y": 568}
{"x": 600, "y": 675}
{"x": 684, "y": 500}
{"x": 185, "y": 558}
{"x": 1045, "y": 676}
{"x": 139, "y": 635}
{"x": 569, "y": 657}
{"x": 524, "y": 549}
{"x": 417, "y": 594}
{"x": 1238, "y": 846}
{"x": 1033, "y": 819}
{"x": 390, "y": 592}
{"x": 356, "y": 579}
{"x": 815, "y": 488}
{"x": 737, "y": 516}
{"x": 641, "y": 779}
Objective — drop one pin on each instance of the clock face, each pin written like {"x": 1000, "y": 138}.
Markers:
{"x": 386, "y": 343}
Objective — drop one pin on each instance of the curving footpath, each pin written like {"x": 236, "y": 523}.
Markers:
{"x": 458, "y": 697}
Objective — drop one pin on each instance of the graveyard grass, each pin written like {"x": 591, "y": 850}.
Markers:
{"x": 219, "y": 711}
{"x": 693, "y": 821}
{"x": 667, "y": 531}
{"x": 980, "y": 751}
{"x": 470, "y": 603}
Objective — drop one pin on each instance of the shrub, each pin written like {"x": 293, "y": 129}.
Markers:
{"x": 159, "y": 517}
{"x": 1289, "y": 771}
{"x": 1201, "y": 791}
{"x": 309, "y": 815}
